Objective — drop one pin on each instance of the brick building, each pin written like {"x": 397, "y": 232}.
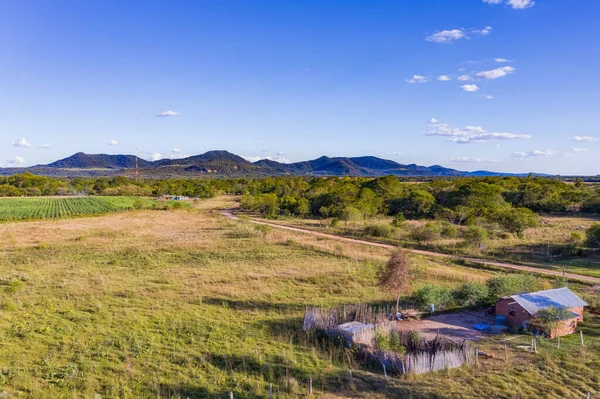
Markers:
{"x": 521, "y": 308}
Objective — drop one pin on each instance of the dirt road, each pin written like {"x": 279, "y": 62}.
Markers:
{"x": 229, "y": 213}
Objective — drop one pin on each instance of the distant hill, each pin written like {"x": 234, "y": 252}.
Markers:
{"x": 223, "y": 163}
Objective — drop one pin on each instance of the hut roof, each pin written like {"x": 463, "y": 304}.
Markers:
{"x": 563, "y": 298}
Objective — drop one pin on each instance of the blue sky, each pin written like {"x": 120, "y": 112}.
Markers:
{"x": 294, "y": 80}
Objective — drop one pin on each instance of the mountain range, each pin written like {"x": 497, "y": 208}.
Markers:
{"x": 224, "y": 163}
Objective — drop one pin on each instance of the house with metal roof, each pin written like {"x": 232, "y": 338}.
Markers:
{"x": 519, "y": 309}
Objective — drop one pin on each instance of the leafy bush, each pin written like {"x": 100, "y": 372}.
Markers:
{"x": 389, "y": 341}
{"x": 471, "y": 294}
{"x": 511, "y": 284}
{"x": 546, "y": 319}
{"x": 448, "y": 230}
{"x": 428, "y": 232}
{"x": 351, "y": 214}
{"x": 593, "y": 236}
{"x": 399, "y": 220}
{"x": 475, "y": 236}
{"x": 378, "y": 230}
{"x": 440, "y": 296}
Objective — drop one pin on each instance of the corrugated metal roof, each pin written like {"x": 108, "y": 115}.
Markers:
{"x": 559, "y": 298}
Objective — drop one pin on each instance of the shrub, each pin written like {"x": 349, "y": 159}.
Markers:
{"x": 511, "y": 284}
{"x": 389, "y": 341}
{"x": 546, "y": 319}
{"x": 448, "y": 230}
{"x": 429, "y": 294}
{"x": 399, "y": 220}
{"x": 475, "y": 236}
{"x": 263, "y": 229}
{"x": 471, "y": 294}
{"x": 334, "y": 222}
{"x": 378, "y": 230}
{"x": 593, "y": 236}
{"x": 351, "y": 214}
{"x": 428, "y": 232}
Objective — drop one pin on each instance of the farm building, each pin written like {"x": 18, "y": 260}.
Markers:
{"x": 519, "y": 309}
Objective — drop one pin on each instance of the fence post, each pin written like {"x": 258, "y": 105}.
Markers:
{"x": 505, "y": 353}
{"x": 270, "y": 391}
{"x": 350, "y": 375}
{"x": 476, "y": 355}
{"x": 230, "y": 395}
{"x": 558, "y": 345}
{"x": 309, "y": 385}
{"x": 581, "y": 337}
{"x": 384, "y": 371}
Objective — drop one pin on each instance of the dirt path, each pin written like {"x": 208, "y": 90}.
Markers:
{"x": 229, "y": 213}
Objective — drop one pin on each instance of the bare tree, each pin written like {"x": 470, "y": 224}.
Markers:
{"x": 396, "y": 275}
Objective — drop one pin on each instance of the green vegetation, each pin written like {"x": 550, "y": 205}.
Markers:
{"x": 546, "y": 319}
{"x": 47, "y": 208}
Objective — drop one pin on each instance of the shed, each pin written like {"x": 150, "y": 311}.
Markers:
{"x": 521, "y": 308}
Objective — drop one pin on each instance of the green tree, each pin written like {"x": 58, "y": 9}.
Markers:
{"x": 475, "y": 236}
{"x": 516, "y": 220}
{"x": 592, "y": 235}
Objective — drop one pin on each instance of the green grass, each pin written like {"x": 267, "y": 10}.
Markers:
{"x": 50, "y": 207}
{"x": 187, "y": 304}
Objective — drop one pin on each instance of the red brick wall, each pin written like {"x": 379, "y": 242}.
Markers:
{"x": 520, "y": 316}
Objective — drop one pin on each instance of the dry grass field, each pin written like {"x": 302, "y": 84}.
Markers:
{"x": 188, "y": 304}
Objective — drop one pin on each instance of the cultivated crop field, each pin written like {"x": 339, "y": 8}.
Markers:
{"x": 53, "y": 207}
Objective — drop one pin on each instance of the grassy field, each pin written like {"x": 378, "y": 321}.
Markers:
{"x": 187, "y": 304}
{"x": 58, "y": 207}
{"x": 532, "y": 249}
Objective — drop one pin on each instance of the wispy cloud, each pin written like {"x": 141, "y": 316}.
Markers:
{"x": 16, "y": 161}
{"x": 579, "y": 149}
{"x": 463, "y": 160}
{"x": 584, "y": 138}
{"x": 516, "y": 4}
{"x": 280, "y": 159}
{"x": 495, "y": 73}
{"x": 167, "y": 114}
{"x": 464, "y": 78}
{"x": 156, "y": 156}
{"x": 418, "y": 79}
{"x": 452, "y": 35}
{"x": 502, "y": 60}
{"x": 113, "y": 142}
{"x": 45, "y": 146}
{"x": 22, "y": 142}
{"x": 470, "y": 88}
{"x": 533, "y": 154}
{"x": 176, "y": 150}
{"x": 444, "y": 78}
{"x": 488, "y": 97}
{"x": 468, "y": 134}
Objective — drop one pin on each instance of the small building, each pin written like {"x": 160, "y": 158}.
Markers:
{"x": 519, "y": 309}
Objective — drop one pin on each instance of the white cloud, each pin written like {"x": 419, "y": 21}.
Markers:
{"x": 464, "y": 78}
{"x": 516, "y": 4}
{"x": 451, "y": 35}
{"x": 113, "y": 142}
{"x": 579, "y": 149}
{"x": 176, "y": 150}
{"x": 279, "y": 159}
{"x": 470, "y": 88}
{"x": 467, "y": 160}
{"x": 488, "y": 97}
{"x": 444, "y": 78}
{"x": 156, "y": 156}
{"x": 495, "y": 73}
{"x": 16, "y": 161}
{"x": 45, "y": 146}
{"x": 584, "y": 138}
{"x": 166, "y": 114}
{"x": 418, "y": 79}
{"x": 484, "y": 31}
{"x": 447, "y": 36}
{"x": 22, "y": 142}
{"x": 468, "y": 134}
{"x": 534, "y": 154}
{"x": 501, "y": 60}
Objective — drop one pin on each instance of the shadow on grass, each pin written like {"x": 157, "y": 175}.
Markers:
{"x": 251, "y": 305}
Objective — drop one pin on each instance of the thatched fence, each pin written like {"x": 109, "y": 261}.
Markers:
{"x": 422, "y": 356}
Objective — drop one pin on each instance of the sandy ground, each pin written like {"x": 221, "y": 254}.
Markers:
{"x": 456, "y": 326}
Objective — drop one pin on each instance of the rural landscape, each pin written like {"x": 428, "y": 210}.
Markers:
{"x": 275, "y": 199}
